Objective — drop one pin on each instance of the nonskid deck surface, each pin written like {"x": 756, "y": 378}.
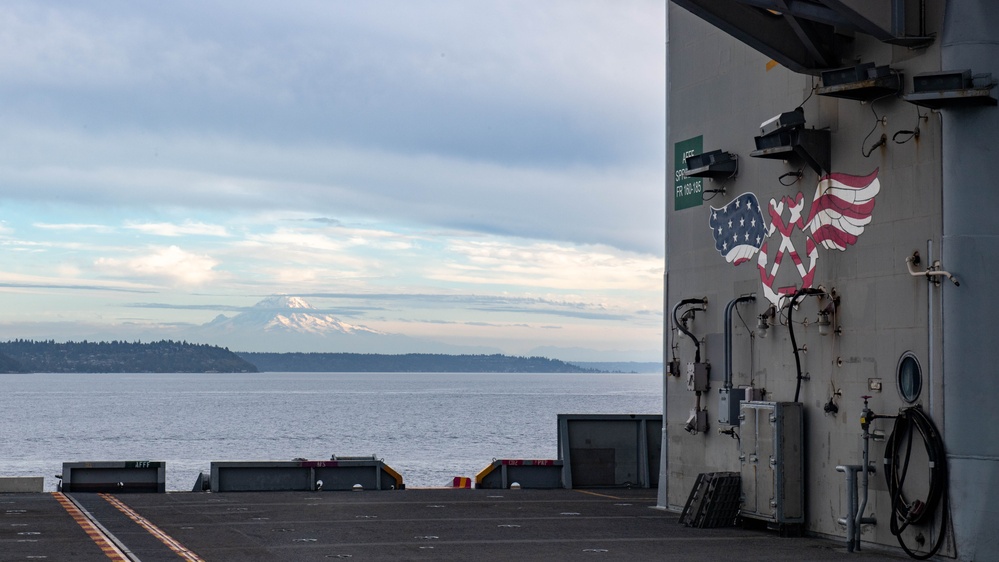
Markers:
{"x": 415, "y": 524}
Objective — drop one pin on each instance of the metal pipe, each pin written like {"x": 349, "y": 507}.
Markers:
{"x": 662, "y": 495}
{"x": 864, "y": 479}
{"x": 662, "y": 498}
{"x": 851, "y": 504}
{"x": 854, "y": 516}
{"x": 930, "y": 330}
{"x": 728, "y": 336}
{"x": 933, "y": 270}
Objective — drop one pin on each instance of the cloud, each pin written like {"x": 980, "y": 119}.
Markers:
{"x": 74, "y": 287}
{"x": 169, "y": 265}
{"x": 326, "y": 221}
{"x": 622, "y": 207}
{"x": 486, "y": 162}
{"x": 347, "y": 110}
{"x": 74, "y": 227}
{"x": 496, "y": 304}
{"x": 552, "y": 266}
{"x": 188, "y": 228}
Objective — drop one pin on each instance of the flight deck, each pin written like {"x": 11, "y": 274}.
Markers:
{"x": 412, "y": 524}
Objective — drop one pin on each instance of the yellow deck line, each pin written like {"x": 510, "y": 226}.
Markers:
{"x": 599, "y": 495}
{"x": 95, "y": 534}
{"x": 153, "y": 530}
{"x": 613, "y": 497}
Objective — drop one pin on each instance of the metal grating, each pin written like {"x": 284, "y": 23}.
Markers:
{"x": 714, "y": 500}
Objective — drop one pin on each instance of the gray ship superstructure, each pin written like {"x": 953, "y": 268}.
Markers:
{"x": 831, "y": 245}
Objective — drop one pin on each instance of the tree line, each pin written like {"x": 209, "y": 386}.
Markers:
{"x": 165, "y": 356}
{"x": 409, "y": 363}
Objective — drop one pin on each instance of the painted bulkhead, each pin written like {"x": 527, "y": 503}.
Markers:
{"x": 902, "y": 187}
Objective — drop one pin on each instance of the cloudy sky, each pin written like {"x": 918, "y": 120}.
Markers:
{"x": 480, "y": 173}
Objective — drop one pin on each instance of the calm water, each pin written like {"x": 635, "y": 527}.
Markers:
{"x": 428, "y": 427}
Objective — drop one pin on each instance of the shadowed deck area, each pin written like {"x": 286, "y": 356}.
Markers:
{"x": 416, "y": 524}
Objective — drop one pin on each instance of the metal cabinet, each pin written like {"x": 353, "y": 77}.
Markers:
{"x": 771, "y": 461}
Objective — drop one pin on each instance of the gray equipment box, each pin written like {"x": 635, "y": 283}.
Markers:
{"x": 114, "y": 476}
{"x": 610, "y": 450}
{"x": 698, "y": 377}
{"x": 340, "y": 473}
{"x": 771, "y": 462}
{"x": 540, "y": 474}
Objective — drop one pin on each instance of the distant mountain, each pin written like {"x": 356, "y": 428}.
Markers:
{"x": 285, "y": 315}
{"x": 284, "y": 322}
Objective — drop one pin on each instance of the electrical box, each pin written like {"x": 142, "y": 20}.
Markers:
{"x": 771, "y": 461}
{"x": 673, "y": 368}
{"x": 697, "y": 422}
{"x": 697, "y": 376}
{"x": 730, "y": 402}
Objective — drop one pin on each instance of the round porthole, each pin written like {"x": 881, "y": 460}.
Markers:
{"x": 910, "y": 378}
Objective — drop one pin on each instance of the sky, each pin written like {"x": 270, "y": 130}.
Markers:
{"x": 477, "y": 173}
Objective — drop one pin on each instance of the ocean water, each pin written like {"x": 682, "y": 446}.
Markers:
{"x": 429, "y": 427}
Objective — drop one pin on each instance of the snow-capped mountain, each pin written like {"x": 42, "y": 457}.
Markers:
{"x": 287, "y": 314}
{"x": 286, "y": 323}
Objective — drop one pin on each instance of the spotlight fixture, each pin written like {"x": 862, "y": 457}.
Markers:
{"x": 763, "y": 322}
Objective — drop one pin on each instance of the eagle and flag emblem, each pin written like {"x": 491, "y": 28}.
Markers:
{"x": 840, "y": 209}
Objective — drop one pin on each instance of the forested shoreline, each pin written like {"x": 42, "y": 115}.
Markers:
{"x": 409, "y": 363}
{"x": 166, "y": 356}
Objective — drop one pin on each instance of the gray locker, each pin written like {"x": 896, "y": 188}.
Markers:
{"x": 771, "y": 462}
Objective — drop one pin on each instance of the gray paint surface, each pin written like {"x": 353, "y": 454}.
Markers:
{"x": 970, "y": 40}
{"x": 935, "y": 198}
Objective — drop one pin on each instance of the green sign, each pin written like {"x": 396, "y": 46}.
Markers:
{"x": 687, "y": 192}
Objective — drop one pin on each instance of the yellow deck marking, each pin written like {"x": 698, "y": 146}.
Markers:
{"x": 613, "y": 497}
{"x": 95, "y": 534}
{"x": 153, "y": 530}
{"x": 771, "y": 63}
{"x": 600, "y": 495}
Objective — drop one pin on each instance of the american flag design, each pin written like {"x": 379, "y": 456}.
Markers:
{"x": 739, "y": 228}
{"x": 840, "y": 210}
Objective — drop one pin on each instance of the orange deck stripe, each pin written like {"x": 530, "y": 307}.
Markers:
{"x": 95, "y": 534}
{"x": 153, "y": 530}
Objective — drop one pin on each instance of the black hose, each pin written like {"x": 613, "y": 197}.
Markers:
{"x": 676, "y": 322}
{"x": 790, "y": 328}
{"x": 794, "y": 345}
{"x": 905, "y": 513}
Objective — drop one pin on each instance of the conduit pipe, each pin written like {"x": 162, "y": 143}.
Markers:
{"x": 865, "y": 421}
{"x": 728, "y": 336}
{"x": 933, "y": 271}
{"x": 855, "y": 513}
{"x": 853, "y": 518}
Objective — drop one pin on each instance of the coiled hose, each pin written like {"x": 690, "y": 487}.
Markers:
{"x": 904, "y": 512}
